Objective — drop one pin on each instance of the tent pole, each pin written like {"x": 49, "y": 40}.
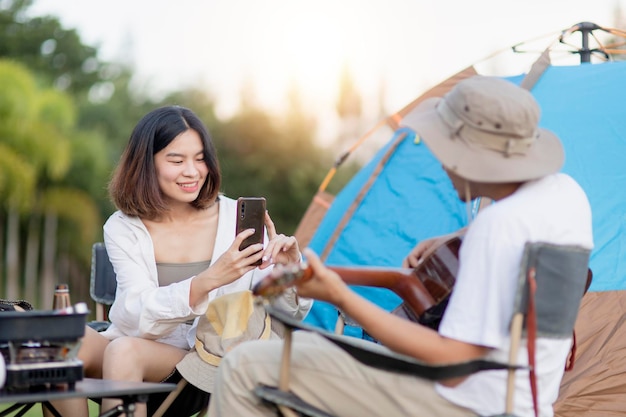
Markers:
{"x": 585, "y": 29}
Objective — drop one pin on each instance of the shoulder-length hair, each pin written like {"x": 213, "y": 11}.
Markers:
{"x": 134, "y": 188}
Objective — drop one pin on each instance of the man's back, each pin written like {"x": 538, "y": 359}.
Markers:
{"x": 552, "y": 210}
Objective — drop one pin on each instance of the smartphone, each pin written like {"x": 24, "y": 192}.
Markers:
{"x": 251, "y": 215}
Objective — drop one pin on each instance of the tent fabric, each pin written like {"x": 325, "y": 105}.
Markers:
{"x": 597, "y": 384}
{"x": 409, "y": 198}
{"x": 313, "y": 217}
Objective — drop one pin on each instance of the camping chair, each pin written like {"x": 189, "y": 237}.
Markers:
{"x": 552, "y": 281}
{"x": 102, "y": 289}
{"x": 102, "y": 285}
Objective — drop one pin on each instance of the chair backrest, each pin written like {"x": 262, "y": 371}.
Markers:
{"x": 561, "y": 273}
{"x": 103, "y": 283}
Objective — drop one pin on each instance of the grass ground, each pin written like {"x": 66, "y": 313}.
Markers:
{"x": 35, "y": 411}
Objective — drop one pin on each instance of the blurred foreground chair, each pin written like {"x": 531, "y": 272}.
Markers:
{"x": 102, "y": 287}
{"x": 552, "y": 281}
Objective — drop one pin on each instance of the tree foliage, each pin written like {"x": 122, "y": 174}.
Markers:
{"x": 56, "y": 54}
{"x": 35, "y": 133}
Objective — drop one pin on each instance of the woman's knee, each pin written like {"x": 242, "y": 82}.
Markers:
{"x": 142, "y": 359}
{"x": 123, "y": 350}
{"x": 123, "y": 359}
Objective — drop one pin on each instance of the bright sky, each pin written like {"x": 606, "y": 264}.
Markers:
{"x": 224, "y": 45}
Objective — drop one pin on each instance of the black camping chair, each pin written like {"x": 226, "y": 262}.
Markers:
{"x": 102, "y": 289}
{"x": 102, "y": 286}
{"x": 552, "y": 281}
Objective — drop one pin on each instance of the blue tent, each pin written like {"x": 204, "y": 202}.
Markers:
{"x": 402, "y": 196}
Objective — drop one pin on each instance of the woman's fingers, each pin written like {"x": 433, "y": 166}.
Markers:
{"x": 282, "y": 249}
{"x": 242, "y": 236}
{"x": 269, "y": 225}
{"x": 250, "y": 252}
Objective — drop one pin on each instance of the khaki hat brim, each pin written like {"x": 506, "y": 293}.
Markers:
{"x": 202, "y": 374}
{"x": 476, "y": 163}
{"x": 197, "y": 372}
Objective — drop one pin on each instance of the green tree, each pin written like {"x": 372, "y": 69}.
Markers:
{"x": 54, "y": 53}
{"x": 34, "y": 126}
{"x": 277, "y": 159}
{"x": 17, "y": 173}
{"x": 73, "y": 152}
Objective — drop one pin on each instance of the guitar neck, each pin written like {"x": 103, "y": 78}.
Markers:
{"x": 372, "y": 276}
{"x": 402, "y": 281}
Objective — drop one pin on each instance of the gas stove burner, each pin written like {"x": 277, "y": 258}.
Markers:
{"x": 36, "y": 353}
{"x": 41, "y": 347}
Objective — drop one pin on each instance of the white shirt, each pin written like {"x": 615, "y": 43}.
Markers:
{"x": 553, "y": 209}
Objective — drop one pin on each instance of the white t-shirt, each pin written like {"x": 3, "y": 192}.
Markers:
{"x": 553, "y": 209}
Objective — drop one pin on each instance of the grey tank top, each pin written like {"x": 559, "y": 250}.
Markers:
{"x": 170, "y": 273}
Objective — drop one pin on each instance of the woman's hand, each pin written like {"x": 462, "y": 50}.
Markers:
{"x": 280, "y": 249}
{"x": 229, "y": 267}
{"x": 234, "y": 263}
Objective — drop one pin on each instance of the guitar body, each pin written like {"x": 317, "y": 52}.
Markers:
{"x": 439, "y": 270}
{"x": 438, "y": 274}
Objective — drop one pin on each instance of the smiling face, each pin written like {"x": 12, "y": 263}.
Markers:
{"x": 181, "y": 169}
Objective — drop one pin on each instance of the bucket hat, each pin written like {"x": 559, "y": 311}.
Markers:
{"x": 486, "y": 129}
{"x": 230, "y": 319}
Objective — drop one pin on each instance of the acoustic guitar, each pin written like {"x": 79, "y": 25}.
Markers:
{"x": 424, "y": 290}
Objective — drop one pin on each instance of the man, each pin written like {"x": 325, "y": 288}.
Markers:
{"x": 485, "y": 133}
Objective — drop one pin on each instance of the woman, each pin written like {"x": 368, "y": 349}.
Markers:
{"x": 172, "y": 244}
